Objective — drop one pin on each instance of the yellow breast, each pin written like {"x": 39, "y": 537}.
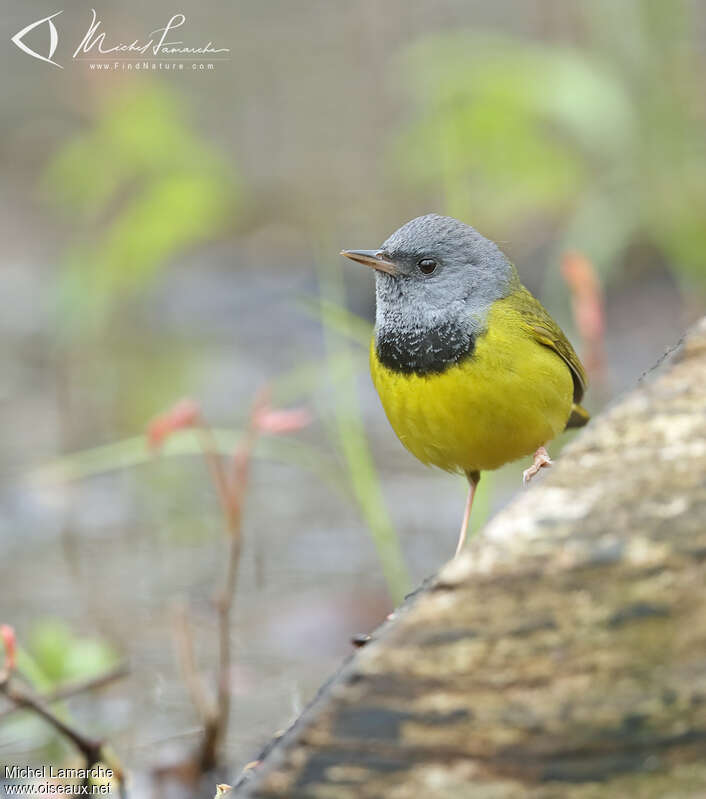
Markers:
{"x": 510, "y": 397}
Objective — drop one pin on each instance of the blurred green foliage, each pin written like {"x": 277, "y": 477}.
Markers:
{"x": 134, "y": 190}
{"x": 55, "y": 655}
{"x": 608, "y": 141}
{"x": 137, "y": 188}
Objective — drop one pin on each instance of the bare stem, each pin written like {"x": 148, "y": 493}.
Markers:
{"x": 225, "y": 609}
{"x": 219, "y": 476}
{"x": 67, "y": 690}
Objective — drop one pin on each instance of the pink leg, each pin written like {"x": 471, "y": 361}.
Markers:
{"x": 541, "y": 460}
{"x": 473, "y": 478}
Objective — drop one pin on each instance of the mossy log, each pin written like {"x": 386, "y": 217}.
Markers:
{"x": 564, "y": 655}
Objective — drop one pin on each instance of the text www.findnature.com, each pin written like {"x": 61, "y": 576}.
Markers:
{"x": 142, "y": 66}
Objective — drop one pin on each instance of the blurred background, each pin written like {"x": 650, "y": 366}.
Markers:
{"x": 176, "y": 233}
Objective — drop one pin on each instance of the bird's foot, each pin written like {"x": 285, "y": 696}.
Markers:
{"x": 541, "y": 460}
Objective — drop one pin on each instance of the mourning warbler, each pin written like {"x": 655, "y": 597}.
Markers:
{"x": 471, "y": 370}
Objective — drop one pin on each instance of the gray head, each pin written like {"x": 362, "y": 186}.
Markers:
{"x": 436, "y": 273}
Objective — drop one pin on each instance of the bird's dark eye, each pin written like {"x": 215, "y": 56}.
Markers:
{"x": 427, "y": 266}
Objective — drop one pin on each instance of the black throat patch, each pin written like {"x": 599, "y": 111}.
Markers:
{"x": 424, "y": 352}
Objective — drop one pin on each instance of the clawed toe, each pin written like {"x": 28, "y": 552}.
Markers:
{"x": 541, "y": 461}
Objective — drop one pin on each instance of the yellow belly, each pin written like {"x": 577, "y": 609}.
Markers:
{"x": 511, "y": 397}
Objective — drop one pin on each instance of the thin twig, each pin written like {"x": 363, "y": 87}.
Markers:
{"x": 214, "y": 464}
{"x": 92, "y": 749}
{"x": 225, "y": 609}
{"x": 70, "y": 689}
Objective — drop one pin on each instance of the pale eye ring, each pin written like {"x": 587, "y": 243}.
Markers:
{"x": 427, "y": 266}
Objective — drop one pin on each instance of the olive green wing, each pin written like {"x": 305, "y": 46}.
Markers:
{"x": 546, "y": 331}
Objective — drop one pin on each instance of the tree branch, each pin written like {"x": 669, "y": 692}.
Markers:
{"x": 67, "y": 690}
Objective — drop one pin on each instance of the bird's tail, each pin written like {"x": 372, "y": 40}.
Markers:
{"x": 579, "y": 416}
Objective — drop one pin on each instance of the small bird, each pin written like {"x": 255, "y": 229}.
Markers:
{"x": 471, "y": 370}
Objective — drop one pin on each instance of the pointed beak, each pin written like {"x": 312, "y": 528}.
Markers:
{"x": 373, "y": 259}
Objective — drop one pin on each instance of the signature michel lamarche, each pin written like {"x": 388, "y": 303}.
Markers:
{"x": 95, "y": 42}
